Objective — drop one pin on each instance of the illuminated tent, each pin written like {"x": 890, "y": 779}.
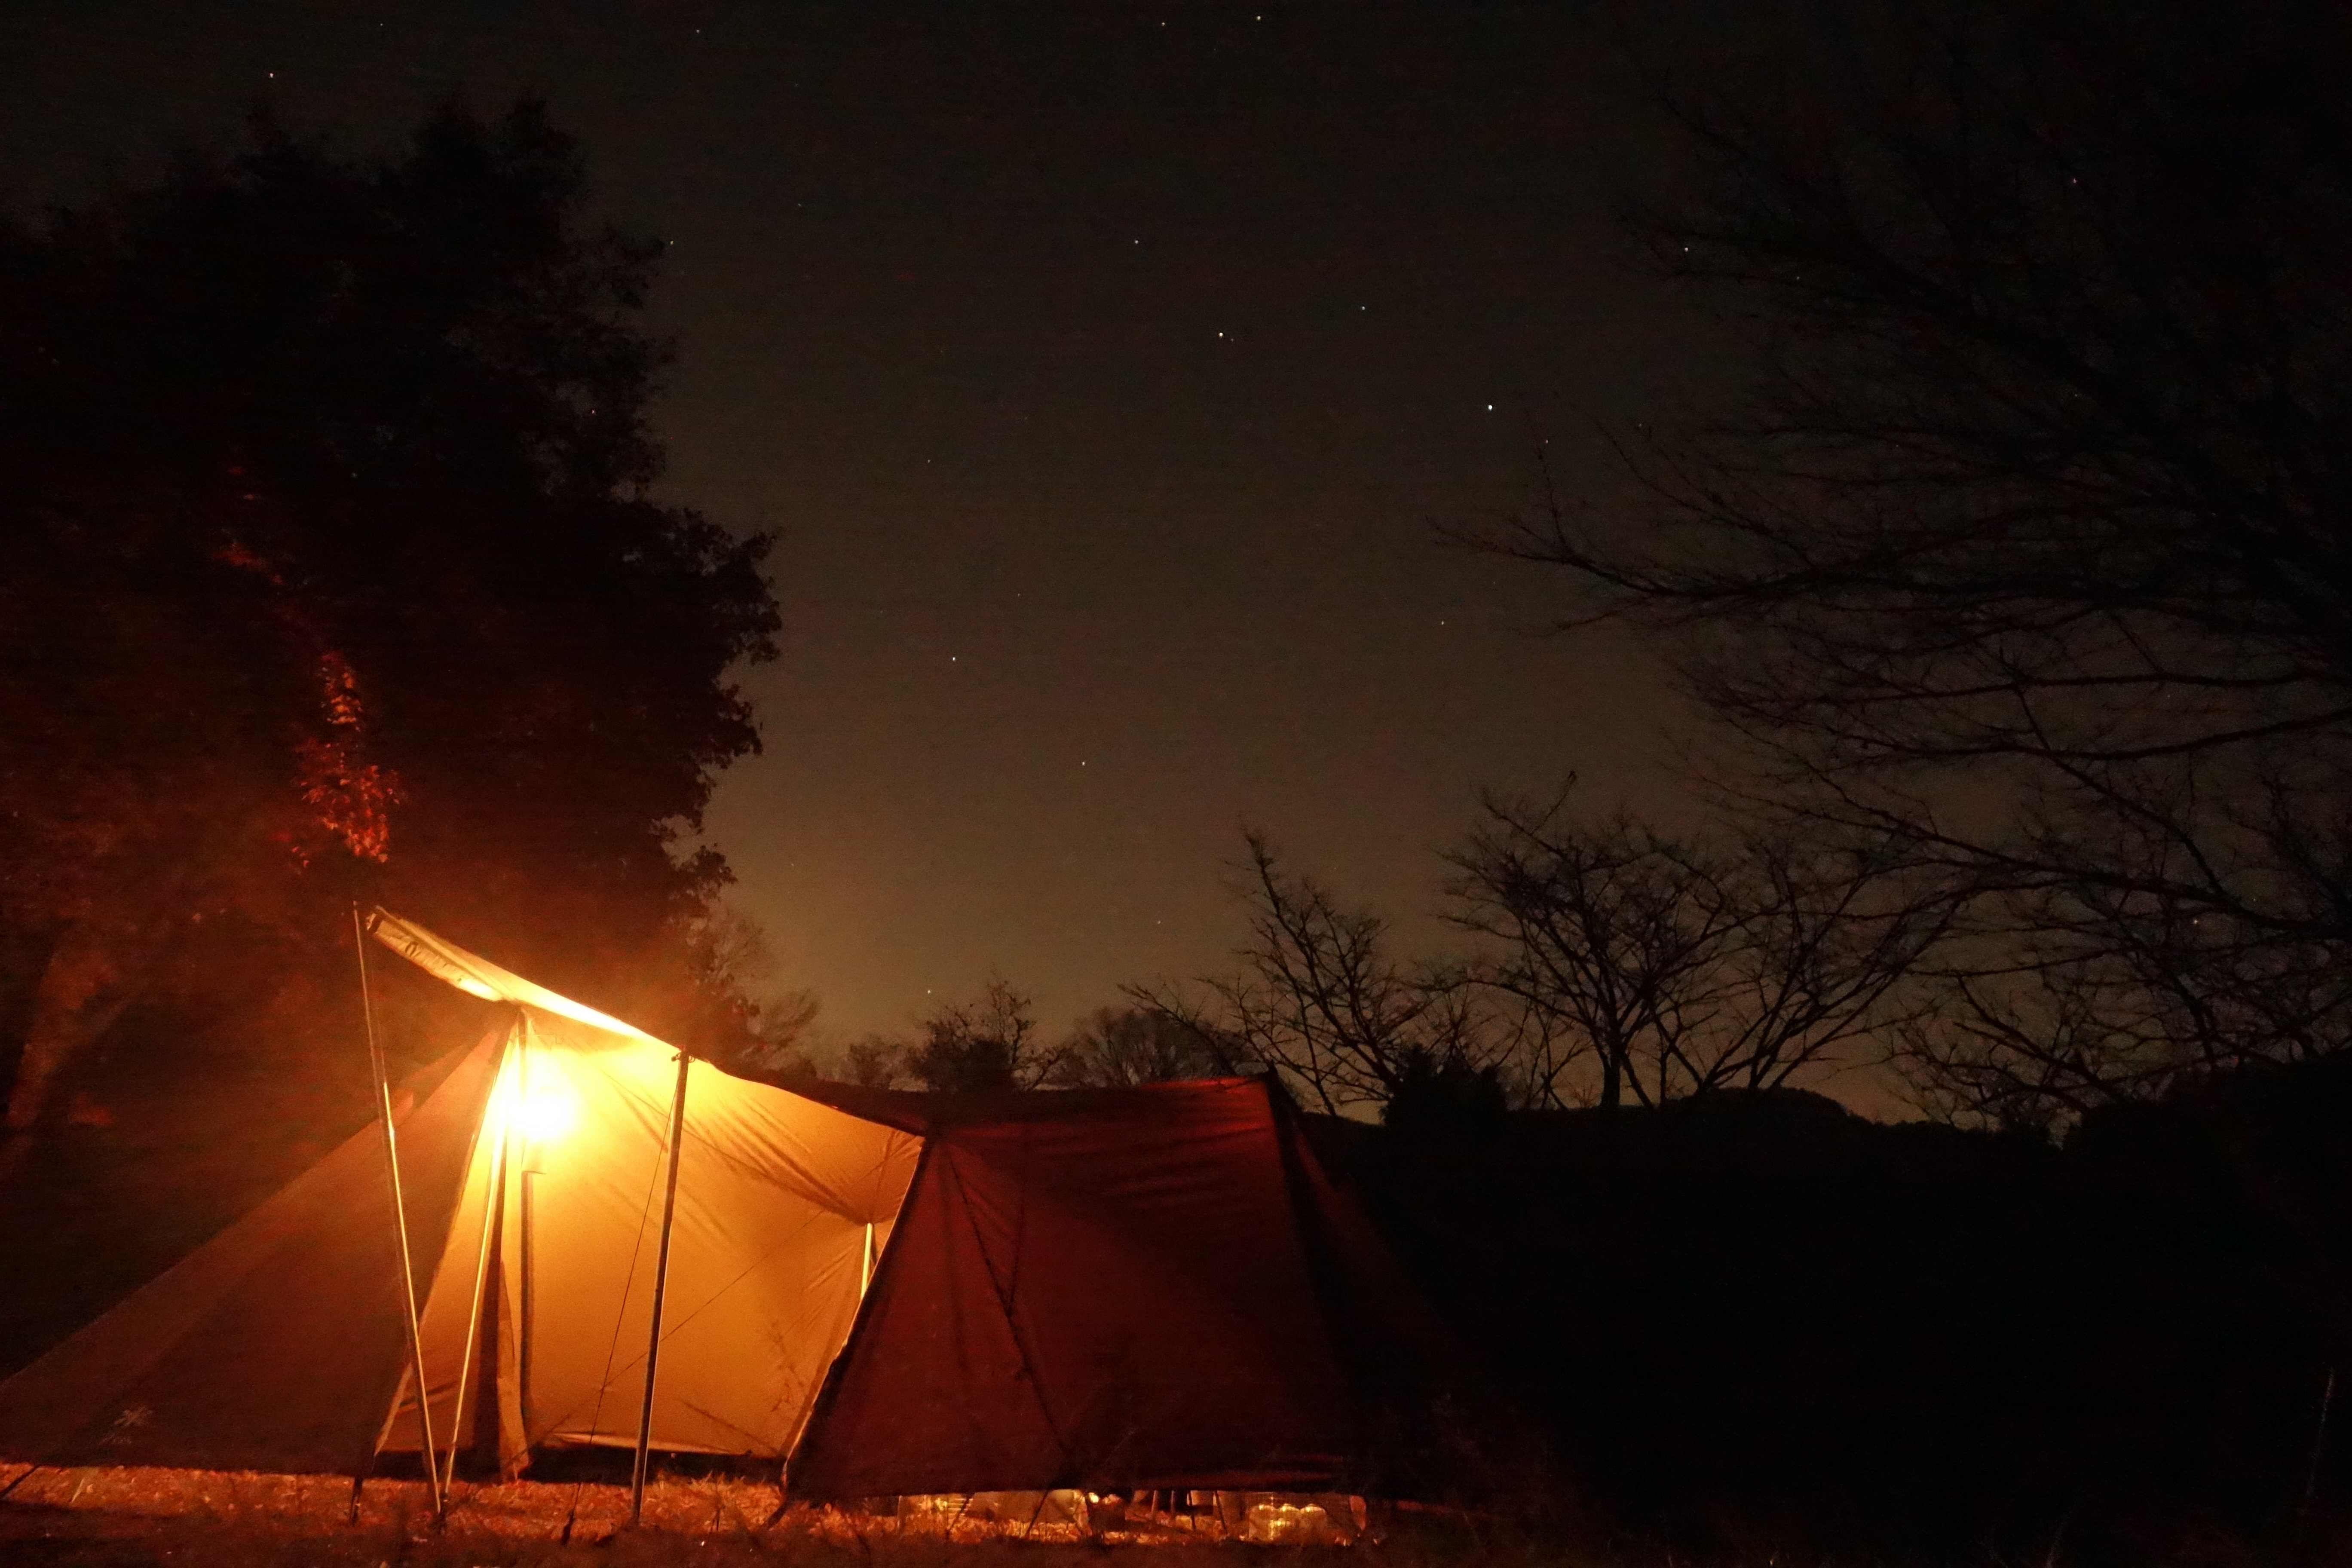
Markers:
{"x": 530, "y": 1168}
{"x": 903, "y": 1294}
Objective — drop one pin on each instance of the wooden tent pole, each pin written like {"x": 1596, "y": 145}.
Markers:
{"x": 661, "y": 1284}
{"x": 399, "y": 1226}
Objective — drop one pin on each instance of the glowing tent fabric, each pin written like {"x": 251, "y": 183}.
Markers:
{"x": 530, "y": 1178}
{"x": 776, "y": 1196}
{"x": 1103, "y": 1289}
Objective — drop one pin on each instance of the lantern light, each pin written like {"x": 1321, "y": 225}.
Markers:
{"x": 547, "y": 1114}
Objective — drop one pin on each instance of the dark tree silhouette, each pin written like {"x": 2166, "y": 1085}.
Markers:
{"x": 1686, "y": 965}
{"x": 2030, "y": 549}
{"x": 1320, "y": 997}
{"x": 1612, "y": 930}
{"x": 333, "y": 571}
{"x": 873, "y": 1061}
{"x": 989, "y": 1042}
{"x": 742, "y": 1017}
{"x": 1119, "y": 1047}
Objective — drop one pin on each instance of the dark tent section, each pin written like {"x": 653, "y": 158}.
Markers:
{"x": 279, "y": 1345}
{"x": 1119, "y": 1290}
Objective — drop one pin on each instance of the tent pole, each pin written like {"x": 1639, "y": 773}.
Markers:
{"x": 492, "y": 1206}
{"x": 661, "y": 1284}
{"x": 400, "y": 1225}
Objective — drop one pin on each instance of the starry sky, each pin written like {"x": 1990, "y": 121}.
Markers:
{"x": 1106, "y": 371}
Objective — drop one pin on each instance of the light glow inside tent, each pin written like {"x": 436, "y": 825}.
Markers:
{"x": 546, "y": 1113}
{"x": 538, "y": 1313}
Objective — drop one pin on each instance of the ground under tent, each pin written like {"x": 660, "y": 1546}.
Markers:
{"x": 888, "y": 1294}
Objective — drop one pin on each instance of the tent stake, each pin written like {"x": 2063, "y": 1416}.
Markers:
{"x": 661, "y": 1284}
{"x": 400, "y": 1225}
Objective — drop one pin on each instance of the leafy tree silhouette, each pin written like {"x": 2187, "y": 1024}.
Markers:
{"x": 334, "y": 573}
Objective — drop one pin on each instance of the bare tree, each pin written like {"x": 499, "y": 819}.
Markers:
{"x": 1119, "y": 1047}
{"x": 990, "y": 1042}
{"x": 873, "y": 1061}
{"x": 1684, "y": 966}
{"x": 1320, "y": 997}
{"x": 2071, "y": 995}
{"x": 2031, "y": 550}
{"x": 1828, "y": 943}
{"x": 1612, "y": 932}
{"x": 739, "y": 1013}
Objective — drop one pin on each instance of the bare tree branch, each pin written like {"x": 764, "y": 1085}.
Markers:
{"x": 2029, "y": 552}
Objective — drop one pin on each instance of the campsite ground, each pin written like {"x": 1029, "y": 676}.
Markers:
{"x": 190, "y": 1519}
{"x": 187, "y": 1519}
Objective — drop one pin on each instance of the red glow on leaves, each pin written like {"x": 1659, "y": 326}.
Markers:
{"x": 348, "y": 795}
{"x": 245, "y": 558}
{"x": 339, "y": 689}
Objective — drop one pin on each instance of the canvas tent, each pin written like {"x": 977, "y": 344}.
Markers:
{"x": 902, "y": 1293}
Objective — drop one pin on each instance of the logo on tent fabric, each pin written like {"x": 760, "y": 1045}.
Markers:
{"x": 126, "y": 1426}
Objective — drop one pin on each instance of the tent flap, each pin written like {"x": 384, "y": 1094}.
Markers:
{"x": 1106, "y": 1290}
{"x": 277, "y": 1344}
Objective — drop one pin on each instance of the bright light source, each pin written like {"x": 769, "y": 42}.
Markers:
{"x": 473, "y": 988}
{"x": 547, "y": 1114}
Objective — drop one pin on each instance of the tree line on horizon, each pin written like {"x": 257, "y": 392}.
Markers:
{"x": 1615, "y": 965}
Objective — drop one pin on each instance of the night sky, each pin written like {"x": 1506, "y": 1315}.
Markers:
{"x": 1105, "y": 371}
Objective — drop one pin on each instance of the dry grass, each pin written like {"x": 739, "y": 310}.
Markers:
{"x": 201, "y": 1519}
{"x": 204, "y": 1519}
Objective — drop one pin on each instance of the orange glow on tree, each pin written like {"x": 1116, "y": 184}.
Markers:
{"x": 349, "y": 796}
